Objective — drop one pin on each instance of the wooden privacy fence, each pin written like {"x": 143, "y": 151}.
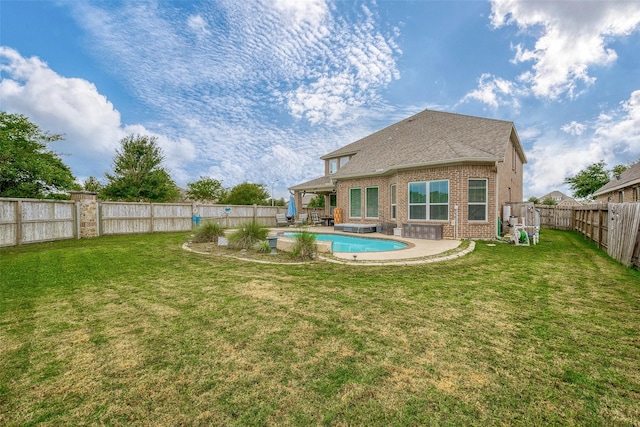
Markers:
{"x": 614, "y": 227}
{"x": 624, "y": 233}
{"x": 556, "y": 217}
{"x": 592, "y": 222}
{"x": 31, "y": 221}
{"x": 25, "y": 221}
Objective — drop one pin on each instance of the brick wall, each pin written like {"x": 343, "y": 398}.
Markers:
{"x": 458, "y": 177}
{"x": 629, "y": 194}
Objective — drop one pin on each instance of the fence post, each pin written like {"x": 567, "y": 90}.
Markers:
{"x": 151, "y": 218}
{"x": 76, "y": 219}
{"x": 19, "y": 222}
{"x": 600, "y": 219}
{"x": 88, "y": 218}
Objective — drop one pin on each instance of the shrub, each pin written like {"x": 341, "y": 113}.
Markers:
{"x": 304, "y": 246}
{"x": 208, "y": 232}
{"x": 262, "y": 246}
{"x": 248, "y": 235}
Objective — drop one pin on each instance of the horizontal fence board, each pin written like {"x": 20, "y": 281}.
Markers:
{"x": 8, "y": 210}
{"x": 172, "y": 224}
{"x": 172, "y": 211}
{"x": 8, "y": 234}
{"x": 125, "y": 210}
{"x": 125, "y": 225}
{"x": 46, "y": 231}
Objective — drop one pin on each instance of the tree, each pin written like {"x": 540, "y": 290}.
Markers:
{"x": 316, "y": 202}
{"x": 27, "y": 168}
{"x": 549, "y": 201}
{"x": 206, "y": 189}
{"x": 534, "y": 200}
{"x": 588, "y": 181}
{"x": 137, "y": 173}
{"x": 617, "y": 170}
{"x": 248, "y": 194}
{"x": 92, "y": 184}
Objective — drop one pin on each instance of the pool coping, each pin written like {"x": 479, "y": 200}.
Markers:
{"x": 420, "y": 251}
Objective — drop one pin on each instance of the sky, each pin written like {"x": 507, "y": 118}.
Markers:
{"x": 257, "y": 90}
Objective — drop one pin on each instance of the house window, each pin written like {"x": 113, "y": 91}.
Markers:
{"x": 371, "y": 203}
{"x": 434, "y": 207}
{"x": 621, "y": 196}
{"x": 513, "y": 159}
{"x": 344, "y": 160}
{"x": 355, "y": 203}
{"x": 478, "y": 200}
{"x": 636, "y": 194}
{"x": 333, "y": 166}
{"x": 393, "y": 201}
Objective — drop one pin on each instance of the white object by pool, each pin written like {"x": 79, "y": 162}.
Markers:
{"x": 341, "y": 243}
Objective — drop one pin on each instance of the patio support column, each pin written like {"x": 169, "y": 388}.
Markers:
{"x": 298, "y": 198}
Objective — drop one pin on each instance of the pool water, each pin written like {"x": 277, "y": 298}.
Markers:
{"x": 342, "y": 243}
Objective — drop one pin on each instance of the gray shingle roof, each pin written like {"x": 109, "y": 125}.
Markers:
{"x": 629, "y": 177}
{"x": 324, "y": 183}
{"x": 427, "y": 138}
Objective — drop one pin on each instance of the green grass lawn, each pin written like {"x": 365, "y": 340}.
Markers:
{"x": 135, "y": 331}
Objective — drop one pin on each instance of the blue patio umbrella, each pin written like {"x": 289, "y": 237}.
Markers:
{"x": 291, "y": 210}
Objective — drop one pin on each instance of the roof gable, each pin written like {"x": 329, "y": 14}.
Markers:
{"x": 428, "y": 138}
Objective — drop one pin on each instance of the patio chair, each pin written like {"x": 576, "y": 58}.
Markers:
{"x": 315, "y": 219}
{"x": 281, "y": 220}
{"x": 302, "y": 219}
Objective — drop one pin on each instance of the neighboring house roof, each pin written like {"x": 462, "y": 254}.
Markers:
{"x": 627, "y": 178}
{"x": 428, "y": 138}
{"x": 560, "y": 198}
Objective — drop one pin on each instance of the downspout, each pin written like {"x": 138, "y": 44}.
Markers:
{"x": 455, "y": 208}
{"x": 497, "y": 201}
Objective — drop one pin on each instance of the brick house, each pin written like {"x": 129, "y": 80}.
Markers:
{"x": 621, "y": 189}
{"x": 449, "y": 170}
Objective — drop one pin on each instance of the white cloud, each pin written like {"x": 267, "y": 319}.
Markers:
{"x": 552, "y": 160}
{"x": 252, "y": 83}
{"x": 495, "y": 91}
{"x": 620, "y": 130}
{"x": 573, "y": 128}
{"x": 198, "y": 25}
{"x": 73, "y": 107}
{"x": 61, "y": 105}
{"x": 571, "y": 38}
{"x": 614, "y": 136}
{"x": 311, "y": 11}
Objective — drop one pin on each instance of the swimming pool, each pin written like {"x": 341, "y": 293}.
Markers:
{"x": 342, "y": 243}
